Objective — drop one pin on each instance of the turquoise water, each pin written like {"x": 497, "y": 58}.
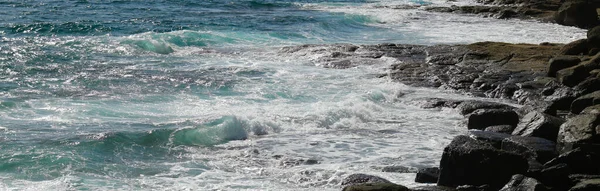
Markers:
{"x": 188, "y": 95}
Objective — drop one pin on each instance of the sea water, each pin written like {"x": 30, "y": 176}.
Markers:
{"x": 196, "y": 95}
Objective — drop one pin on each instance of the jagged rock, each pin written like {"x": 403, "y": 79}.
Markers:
{"x": 578, "y": 131}
{"x": 573, "y": 75}
{"x": 560, "y": 99}
{"x": 474, "y": 188}
{"x": 556, "y": 176}
{"x": 355, "y": 179}
{"x": 376, "y": 187}
{"x": 585, "y": 101}
{"x": 588, "y": 86}
{"x": 482, "y": 118}
{"x": 579, "y": 161}
{"x": 507, "y": 129}
{"x": 561, "y": 62}
{"x": 468, "y": 107}
{"x": 587, "y": 185}
{"x": 493, "y": 138}
{"x": 467, "y": 161}
{"x": 540, "y": 149}
{"x": 519, "y": 182}
{"x": 428, "y": 175}
{"x": 398, "y": 169}
{"x": 537, "y": 124}
{"x": 433, "y": 188}
{"x": 577, "y": 13}
{"x": 575, "y": 48}
{"x": 595, "y": 109}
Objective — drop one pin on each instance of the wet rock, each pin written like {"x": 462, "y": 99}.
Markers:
{"x": 428, "y": 175}
{"x": 573, "y": 75}
{"x": 474, "y": 188}
{"x": 467, "y": 161}
{"x": 468, "y": 107}
{"x": 376, "y": 187}
{"x": 560, "y": 99}
{"x": 577, "y": 13}
{"x": 587, "y": 185}
{"x": 579, "y": 131}
{"x": 589, "y": 85}
{"x": 593, "y": 36}
{"x": 398, "y": 169}
{"x": 595, "y": 109}
{"x": 577, "y": 47}
{"x": 556, "y": 176}
{"x": 520, "y": 182}
{"x": 561, "y": 62}
{"x": 355, "y": 179}
{"x": 506, "y": 129}
{"x": 585, "y": 101}
{"x": 540, "y": 149}
{"x": 439, "y": 102}
{"x": 579, "y": 161}
{"x": 433, "y": 188}
{"x": 537, "y": 124}
{"x": 482, "y": 118}
{"x": 493, "y": 138}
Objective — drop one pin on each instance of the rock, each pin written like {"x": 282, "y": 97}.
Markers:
{"x": 561, "y": 62}
{"x": 482, "y": 118}
{"x": 537, "y": 124}
{"x": 577, "y": 13}
{"x": 595, "y": 109}
{"x": 398, "y": 169}
{"x": 540, "y": 149}
{"x": 587, "y": 185}
{"x": 578, "y": 131}
{"x": 433, "y": 188}
{"x": 467, "y": 161}
{"x": 376, "y": 187}
{"x": 468, "y": 107}
{"x": 507, "y": 129}
{"x": 560, "y": 99}
{"x": 585, "y": 101}
{"x": 439, "y": 102}
{"x": 474, "y": 188}
{"x": 356, "y": 179}
{"x": 556, "y": 176}
{"x": 493, "y": 138}
{"x": 579, "y": 161}
{"x": 588, "y": 85}
{"x": 575, "y": 48}
{"x": 593, "y": 36}
{"x": 428, "y": 175}
{"x": 573, "y": 75}
{"x": 519, "y": 182}
{"x": 576, "y": 178}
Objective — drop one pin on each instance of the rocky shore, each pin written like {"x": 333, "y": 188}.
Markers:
{"x": 550, "y": 143}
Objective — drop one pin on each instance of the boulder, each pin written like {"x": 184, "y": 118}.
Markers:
{"x": 433, "y": 188}
{"x": 593, "y": 36}
{"x": 560, "y": 99}
{"x": 493, "y": 138}
{"x": 573, "y": 75}
{"x": 575, "y": 48}
{"x": 587, "y": 185}
{"x": 428, "y": 175}
{"x": 585, "y": 101}
{"x": 579, "y": 131}
{"x": 577, "y": 13}
{"x": 482, "y": 118}
{"x": 467, "y": 107}
{"x": 556, "y": 176}
{"x": 540, "y": 149}
{"x": 561, "y": 62}
{"x": 579, "y": 161}
{"x": 588, "y": 85}
{"x": 537, "y": 124}
{"x": 466, "y": 161}
{"x": 356, "y": 179}
{"x": 519, "y": 182}
{"x": 376, "y": 187}
{"x": 507, "y": 129}
{"x": 398, "y": 169}
{"x": 595, "y": 109}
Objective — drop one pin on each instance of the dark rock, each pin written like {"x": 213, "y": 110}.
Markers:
{"x": 433, "y": 188}
{"x": 561, "y": 62}
{"x": 519, "y": 182}
{"x": 556, "y": 176}
{"x": 376, "y": 187}
{"x": 507, "y": 129}
{"x": 585, "y": 101}
{"x": 467, "y": 161}
{"x": 311, "y": 161}
{"x": 540, "y": 149}
{"x": 593, "y": 36}
{"x": 439, "y": 102}
{"x": 573, "y": 75}
{"x": 575, "y": 48}
{"x": 482, "y": 118}
{"x": 355, "y": 179}
{"x": 493, "y": 138}
{"x": 398, "y": 169}
{"x": 576, "y": 178}
{"x": 561, "y": 99}
{"x": 588, "y": 86}
{"x": 468, "y": 107}
{"x": 577, "y": 13}
{"x": 579, "y": 161}
{"x": 474, "y": 188}
{"x": 587, "y": 185}
{"x": 428, "y": 175}
{"x": 537, "y": 124}
{"x": 578, "y": 131}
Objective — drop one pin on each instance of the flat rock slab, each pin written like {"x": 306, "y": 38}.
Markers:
{"x": 537, "y": 124}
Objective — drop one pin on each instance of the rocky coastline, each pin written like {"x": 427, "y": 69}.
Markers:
{"x": 550, "y": 143}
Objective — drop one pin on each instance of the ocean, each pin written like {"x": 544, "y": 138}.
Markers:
{"x": 197, "y": 95}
